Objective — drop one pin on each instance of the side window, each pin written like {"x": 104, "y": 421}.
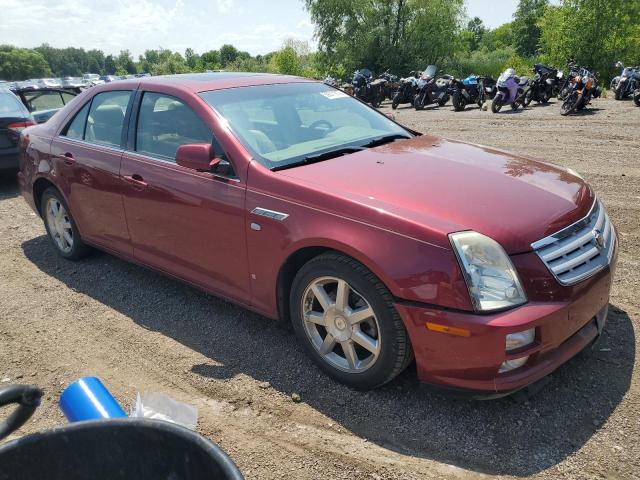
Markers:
{"x": 47, "y": 100}
{"x": 165, "y": 123}
{"x": 75, "y": 129}
{"x": 67, "y": 97}
{"x": 106, "y": 118}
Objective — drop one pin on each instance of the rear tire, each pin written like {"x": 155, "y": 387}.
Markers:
{"x": 61, "y": 227}
{"x": 636, "y": 97}
{"x": 328, "y": 332}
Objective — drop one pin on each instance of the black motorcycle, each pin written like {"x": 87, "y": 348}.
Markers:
{"x": 542, "y": 86}
{"x": 430, "y": 90}
{"x": 366, "y": 89}
{"x": 467, "y": 91}
{"x": 490, "y": 87}
{"x": 626, "y": 83}
{"x": 406, "y": 92}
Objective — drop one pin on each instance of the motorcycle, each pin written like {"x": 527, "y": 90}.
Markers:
{"x": 332, "y": 82}
{"x": 366, "y": 89}
{"x": 490, "y": 88}
{"x": 467, "y": 91}
{"x": 511, "y": 90}
{"x": 583, "y": 89}
{"x": 430, "y": 90}
{"x": 626, "y": 83}
{"x": 390, "y": 86}
{"x": 542, "y": 86}
{"x": 406, "y": 91}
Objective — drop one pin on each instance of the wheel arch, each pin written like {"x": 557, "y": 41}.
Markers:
{"x": 298, "y": 258}
{"x": 39, "y": 187}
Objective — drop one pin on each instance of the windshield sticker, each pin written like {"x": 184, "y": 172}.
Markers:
{"x": 333, "y": 94}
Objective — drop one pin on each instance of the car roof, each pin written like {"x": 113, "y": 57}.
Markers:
{"x": 202, "y": 82}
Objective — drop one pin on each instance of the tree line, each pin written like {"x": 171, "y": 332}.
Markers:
{"x": 47, "y": 61}
{"x": 395, "y": 35}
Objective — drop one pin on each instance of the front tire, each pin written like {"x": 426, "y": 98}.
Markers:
{"x": 636, "y": 97}
{"x": 61, "y": 227}
{"x": 344, "y": 317}
{"x": 459, "y": 102}
{"x": 496, "y": 104}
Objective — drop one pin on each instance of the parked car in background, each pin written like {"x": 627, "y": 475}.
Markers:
{"x": 49, "y": 82}
{"x": 14, "y": 117}
{"x": 109, "y": 78}
{"x": 302, "y": 203}
{"x": 92, "y": 79}
{"x": 73, "y": 82}
{"x": 43, "y": 103}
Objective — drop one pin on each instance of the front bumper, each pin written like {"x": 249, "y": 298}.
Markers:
{"x": 563, "y": 329}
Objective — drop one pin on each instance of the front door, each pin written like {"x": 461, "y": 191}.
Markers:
{"x": 186, "y": 223}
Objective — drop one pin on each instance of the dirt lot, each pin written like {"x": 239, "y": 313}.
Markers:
{"x": 138, "y": 331}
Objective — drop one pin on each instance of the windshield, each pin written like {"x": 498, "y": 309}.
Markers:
{"x": 430, "y": 71}
{"x": 285, "y": 124}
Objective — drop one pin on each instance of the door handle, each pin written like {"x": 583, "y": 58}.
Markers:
{"x": 68, "y": 159}
{"x": 136, "y": 180}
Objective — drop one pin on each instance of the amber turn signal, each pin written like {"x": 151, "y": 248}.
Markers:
{"x": 460, "y": 332}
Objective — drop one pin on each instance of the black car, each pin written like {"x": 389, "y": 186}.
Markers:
{"x": 43, "y": 103}
{"x": 14, "y": 117}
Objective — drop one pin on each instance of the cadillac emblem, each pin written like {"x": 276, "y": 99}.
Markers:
{"x": 598, "y": 239}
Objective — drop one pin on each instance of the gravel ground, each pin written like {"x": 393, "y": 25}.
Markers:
{"x": 269, "y": 407}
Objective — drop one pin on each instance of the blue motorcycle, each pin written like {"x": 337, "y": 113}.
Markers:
{"x": 467, "y": 91}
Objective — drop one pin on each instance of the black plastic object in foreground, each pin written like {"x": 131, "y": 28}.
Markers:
{"x": 27, "y": 397}
{"x": 116, "y": 449}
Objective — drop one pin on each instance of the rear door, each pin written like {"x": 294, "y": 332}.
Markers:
{"x": 87, "y": 154}
{"x": 184, "y": 222}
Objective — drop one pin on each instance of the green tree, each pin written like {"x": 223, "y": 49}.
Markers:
{"x": 125, "y": 62}
{"x": 211, "y": 60}
{"x": 228, "y": 53}
{"x": 596, "y": 33}
{"x": 287, "y": 62}
{"x": 473, "y": 34}
{"x": 526, "y": 31}
{"x": 400, "y": 35}
{"x": 22, "y": 63}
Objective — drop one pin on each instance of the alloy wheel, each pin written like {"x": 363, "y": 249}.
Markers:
{"x": 341, "y": 324}
{"x": 59, "y": 224}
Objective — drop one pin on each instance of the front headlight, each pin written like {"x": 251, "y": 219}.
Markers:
{"x": 492, "y": 281}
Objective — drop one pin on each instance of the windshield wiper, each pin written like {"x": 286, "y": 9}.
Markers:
{"x": 376, "y": 142}
{"x": 338, "y": 152}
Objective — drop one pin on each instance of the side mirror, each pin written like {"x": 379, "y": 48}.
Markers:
{"x": 197, "y": 156}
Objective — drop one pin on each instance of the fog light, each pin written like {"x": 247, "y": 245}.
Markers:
{"x": 509, "y": 365}
{"x": 518, "y": 340}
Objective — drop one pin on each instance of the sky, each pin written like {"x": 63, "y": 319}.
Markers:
{"x": 257, "y": 26}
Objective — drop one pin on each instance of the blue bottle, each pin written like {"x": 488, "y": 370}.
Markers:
{"x": 88, "y": 399}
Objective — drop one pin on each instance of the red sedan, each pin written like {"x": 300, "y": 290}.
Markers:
{"x": 297, "y": 201}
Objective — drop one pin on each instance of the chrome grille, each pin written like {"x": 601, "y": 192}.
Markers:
{"x": 580, "y": 250}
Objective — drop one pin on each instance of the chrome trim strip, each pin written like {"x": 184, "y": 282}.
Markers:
{"x": 263, "y": 212}
{"x": 565, "y": 232}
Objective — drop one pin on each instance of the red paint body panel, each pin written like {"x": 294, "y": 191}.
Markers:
{"x": 390, "y": 207}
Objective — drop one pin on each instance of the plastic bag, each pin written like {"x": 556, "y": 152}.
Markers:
{"x": 159, "y": 406}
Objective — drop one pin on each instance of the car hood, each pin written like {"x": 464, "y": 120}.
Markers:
{"x": 429, "y": 186}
